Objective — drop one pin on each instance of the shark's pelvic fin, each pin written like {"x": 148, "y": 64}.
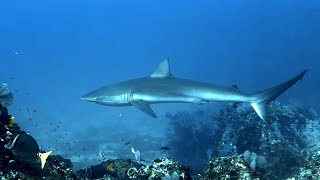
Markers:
{"x": 162, "y": 70}
{"x": 144, "y": 107}
{"x": 263, "y": 98}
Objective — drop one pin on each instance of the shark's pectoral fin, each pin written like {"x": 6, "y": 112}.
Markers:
{"x": 144, "y": 107}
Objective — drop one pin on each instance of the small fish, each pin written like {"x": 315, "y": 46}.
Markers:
{"x": 34, "y": 110}
{"x": 102, "y": 155}
{"x": 110, "y": 167}
{"x": 26, "y": 148}
{"x": 137, "y": 154}
{"x": 127, "y": 143}
{"x": 11, "y": 122}
{"x": 165, "y": 148}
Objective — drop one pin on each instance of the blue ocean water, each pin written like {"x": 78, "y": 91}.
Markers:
{"x": 53, "y": 52}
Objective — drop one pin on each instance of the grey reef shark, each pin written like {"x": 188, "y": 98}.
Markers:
{"x": 162, "y": 87}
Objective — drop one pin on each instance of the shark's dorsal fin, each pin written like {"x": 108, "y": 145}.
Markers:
{"x": 162, "y": 70}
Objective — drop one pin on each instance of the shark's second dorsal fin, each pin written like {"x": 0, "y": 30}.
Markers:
{"x": 162, "y": 70}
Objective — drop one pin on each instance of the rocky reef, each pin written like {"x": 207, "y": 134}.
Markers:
{"x": 229, "y": 144}
{"x": 58, "y": 167}
{"x": 311, "y": 167}
{"x": 163, "y": 168}
{"x": 232, "y": 167}
{"x": 13, "y": 168}
{"x": 283, "y": 142}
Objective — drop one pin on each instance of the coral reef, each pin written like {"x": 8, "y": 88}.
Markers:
{"x": 282, "y": 143}
{"x": 58, "y": 167}
{"x": 13, "y": 168}
{"x": 163, "y": 168}
{"x": 311, "y": 167}
{"x": 232, "y": 167}
{"x": 126, "y": 169}
{"x": 191, "y": 137}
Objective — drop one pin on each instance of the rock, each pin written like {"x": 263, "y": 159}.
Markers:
{"x": 232, "y": 167}
{"x": 310, "y": 169}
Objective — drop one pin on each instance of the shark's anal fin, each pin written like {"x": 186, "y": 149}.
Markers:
{"x": 144, "y": 107}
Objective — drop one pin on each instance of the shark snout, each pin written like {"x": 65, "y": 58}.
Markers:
{"x": 88, "y": 98}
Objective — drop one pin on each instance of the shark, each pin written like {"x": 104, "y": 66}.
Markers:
{"x": 162, "y": 87}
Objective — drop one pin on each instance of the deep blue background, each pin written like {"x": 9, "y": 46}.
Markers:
{"x": 53, "y": 52}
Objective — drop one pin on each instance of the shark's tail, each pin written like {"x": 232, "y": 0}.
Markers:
{"x": 261, "y": 99}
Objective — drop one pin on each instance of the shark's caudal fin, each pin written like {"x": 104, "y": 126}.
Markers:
{"x": 263, "y": 98}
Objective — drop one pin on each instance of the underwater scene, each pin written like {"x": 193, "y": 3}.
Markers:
{"x": 181, "y": 90}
